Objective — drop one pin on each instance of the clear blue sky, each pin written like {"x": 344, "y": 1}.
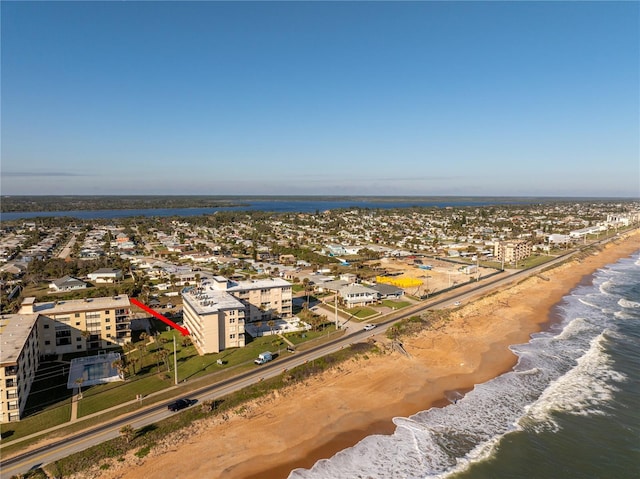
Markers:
{"x": 377, "y": 98}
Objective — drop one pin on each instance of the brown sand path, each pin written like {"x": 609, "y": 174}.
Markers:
{"x": 307, "y": 422}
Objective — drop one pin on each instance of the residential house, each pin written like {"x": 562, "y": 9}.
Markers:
{"x": 106, "y": 275}
{"x": 358, "y": 295}
{"x": 68, "y": 283}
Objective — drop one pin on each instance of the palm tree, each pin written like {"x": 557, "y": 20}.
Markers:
{"x": 163, "y": 355}
{"x": 271, "y": 324}
{"x": 120, "y": 366}
{"x": 259, "y": 326}
{"x": 79, "y": 382}
{"x": 143, "y": 338}
{"x": 128, "y": 433}
{"x": 307, "y": 288}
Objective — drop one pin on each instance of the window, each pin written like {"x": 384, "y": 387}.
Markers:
{"x": 107, "y": 311}
{"x": 232, "y": 336}
{"x": 46, "y": 326}
{"x": 232, "y": 320}
{"x": 77, "y": 323}
{"x": 108, "y": 328}
{"x": 47, "y": 343}
{"x": 78, "y": 338}
{"x": 79, "y": 346}
{"x": 77, "y": 315}
{"x": 107, "y": 320}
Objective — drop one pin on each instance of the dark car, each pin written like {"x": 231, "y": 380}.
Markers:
{"x": 179, "y": 404}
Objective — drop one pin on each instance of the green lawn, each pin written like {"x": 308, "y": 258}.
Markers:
{"x": 152, "y": 377}
{"x": 395, "y": 304}
{"x": 51, "y": 417}
{"x": 361, "y": 312}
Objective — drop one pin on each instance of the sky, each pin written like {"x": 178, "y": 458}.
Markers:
{"x": 320, "y": 98}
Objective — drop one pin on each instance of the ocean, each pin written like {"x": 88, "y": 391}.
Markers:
{"x": 570, "y": 408}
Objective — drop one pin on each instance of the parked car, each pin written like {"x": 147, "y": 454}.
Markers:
{"x": 178, "y": 404}
{"x": 369, "y": 327}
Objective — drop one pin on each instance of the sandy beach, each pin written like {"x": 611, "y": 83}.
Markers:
{"x": 307, "y": 422}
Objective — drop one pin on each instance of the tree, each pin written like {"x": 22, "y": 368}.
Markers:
{"x": 163, "y": 356}
{"x": 143, "y": 338}
{"x": 79, "y": 382}
{"x": 307, "y": 288}
{"x": 271, "y": 324}
{"x": 128, "y": 433}
{"x": 120, "y": 366}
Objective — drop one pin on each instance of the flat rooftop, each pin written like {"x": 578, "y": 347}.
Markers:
{"x": 206, "y": 300}
{"x": 14, "y": 331}
{"x": 258, "y": 284}
{"x": 75, "y": 305}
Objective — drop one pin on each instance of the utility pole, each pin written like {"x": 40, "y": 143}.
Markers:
{"x": 336, "y": 309}
{"x": 175, "y": 360}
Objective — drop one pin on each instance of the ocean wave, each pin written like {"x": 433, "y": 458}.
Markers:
{"x": 582, "y": 390}
{"x": 626, "y": 303}
{"x": 565, "y": 370}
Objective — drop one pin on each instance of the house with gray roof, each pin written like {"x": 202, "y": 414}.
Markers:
{"x": 358, "y": 295}
{"x": 68, "y": 283}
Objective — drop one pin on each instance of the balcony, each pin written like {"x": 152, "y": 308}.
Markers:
{"x": 11, "y": 371}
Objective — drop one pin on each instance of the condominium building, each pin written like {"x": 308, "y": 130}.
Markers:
{"x": 512, "y": 251}
{"x": 215, "y": 319}
{"x": 81, "y": 325}
{"x": 19, "y": 359}
{"x": 215, "y": 312}
{"x": 263, "y": 298}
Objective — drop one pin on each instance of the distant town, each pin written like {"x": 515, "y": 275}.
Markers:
{"x": 234, "y": 277}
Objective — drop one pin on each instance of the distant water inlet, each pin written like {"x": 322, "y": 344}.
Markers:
{"x": 570, "y": 404}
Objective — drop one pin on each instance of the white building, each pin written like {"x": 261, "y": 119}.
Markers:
{"x": 358, "y": 295}
{"x": 214, "y": 318}
{"x": 82, "y": 324}
{"x": 215, "y": 311}
{"x": 19, "y": 359}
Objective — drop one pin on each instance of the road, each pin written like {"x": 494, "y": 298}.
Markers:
{"x": 64, "y": 447}
{"x": 66, "y": 251}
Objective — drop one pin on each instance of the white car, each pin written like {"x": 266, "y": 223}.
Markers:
{"x": 457, "y": 303}
{"x": 369, "y": 327}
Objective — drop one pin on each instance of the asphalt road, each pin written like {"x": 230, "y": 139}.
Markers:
{"x": 77, "y": 442}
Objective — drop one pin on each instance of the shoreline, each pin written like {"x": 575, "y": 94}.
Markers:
{"x": 296, "y": 427}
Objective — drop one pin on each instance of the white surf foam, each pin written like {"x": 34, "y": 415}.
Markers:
{"x": 566, "y": 370}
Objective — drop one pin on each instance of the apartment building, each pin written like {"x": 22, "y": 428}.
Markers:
{"x": 86, "y": 324}
{"x": 512, "y": 251}
{"x": 215, "y": 319}
{"x": 215, "y": 311}
{"x": 19, "y": 359}
{"x": 263, "y": 298}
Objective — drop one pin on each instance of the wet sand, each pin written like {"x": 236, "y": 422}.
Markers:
{"x": 301, "y": 424}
